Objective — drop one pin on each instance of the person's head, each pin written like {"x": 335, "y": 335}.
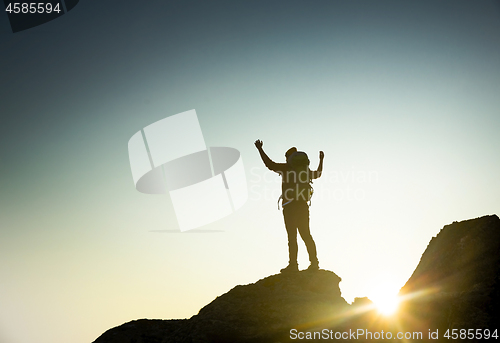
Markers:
{"x": 290, "y": 151}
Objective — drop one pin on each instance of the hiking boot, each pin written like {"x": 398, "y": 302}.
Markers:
{"x": 290, "y": 268}
{"x": 313, "y": 267}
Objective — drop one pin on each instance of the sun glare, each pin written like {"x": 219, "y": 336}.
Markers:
{"x": 387, "y": 305}
{"x": 386, "y": 300}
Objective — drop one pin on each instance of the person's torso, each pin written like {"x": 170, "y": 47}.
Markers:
{"x": 295, "y": 184}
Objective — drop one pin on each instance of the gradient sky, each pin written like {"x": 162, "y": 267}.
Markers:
{"x": 403, "y": 98}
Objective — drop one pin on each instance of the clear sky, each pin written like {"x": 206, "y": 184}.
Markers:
{"x": 403, "y": 98}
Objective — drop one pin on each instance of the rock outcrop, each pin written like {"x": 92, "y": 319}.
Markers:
{"x": 142, "y": 331}
{"x": 265, "y": 311}
{"x": 269, "y": 308}
{"x": 457, "y": 282}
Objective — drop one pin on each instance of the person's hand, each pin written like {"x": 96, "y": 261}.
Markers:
{"x": 321, "y": 155}
{"x": 259, "y": 143}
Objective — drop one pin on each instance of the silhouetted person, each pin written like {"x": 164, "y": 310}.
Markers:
{"x": 296, "y": 191}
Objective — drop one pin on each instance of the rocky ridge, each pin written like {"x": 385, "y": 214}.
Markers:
{"x": 455, "y": 285}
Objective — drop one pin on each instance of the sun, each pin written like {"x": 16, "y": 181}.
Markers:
{"x": 386, "y": 304}
{"x": 385, "y": 298}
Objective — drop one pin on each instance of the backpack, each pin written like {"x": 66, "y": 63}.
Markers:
{"x": 298, "y": 184}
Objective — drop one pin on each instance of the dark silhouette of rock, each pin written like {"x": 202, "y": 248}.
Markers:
{"x": 455, "y": 285}
{"x": 141, "y": 331}
{"x": 271, "y": 307}
{"x": 261, "y": 312}
{"x": 457, "y": 282}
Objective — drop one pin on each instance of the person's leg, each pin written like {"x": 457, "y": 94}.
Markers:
{"x": 302, "y": 212}
{"x": 291, "y": 229}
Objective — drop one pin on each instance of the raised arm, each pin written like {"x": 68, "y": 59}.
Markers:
{"x": 267, "y": 161}
{"x": 317, "y": 173}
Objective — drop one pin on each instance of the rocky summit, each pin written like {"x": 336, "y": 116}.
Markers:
{"x": 264, "y": 311}
{"x": 456, "y": 285}
{"x": 267, "y": 309}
